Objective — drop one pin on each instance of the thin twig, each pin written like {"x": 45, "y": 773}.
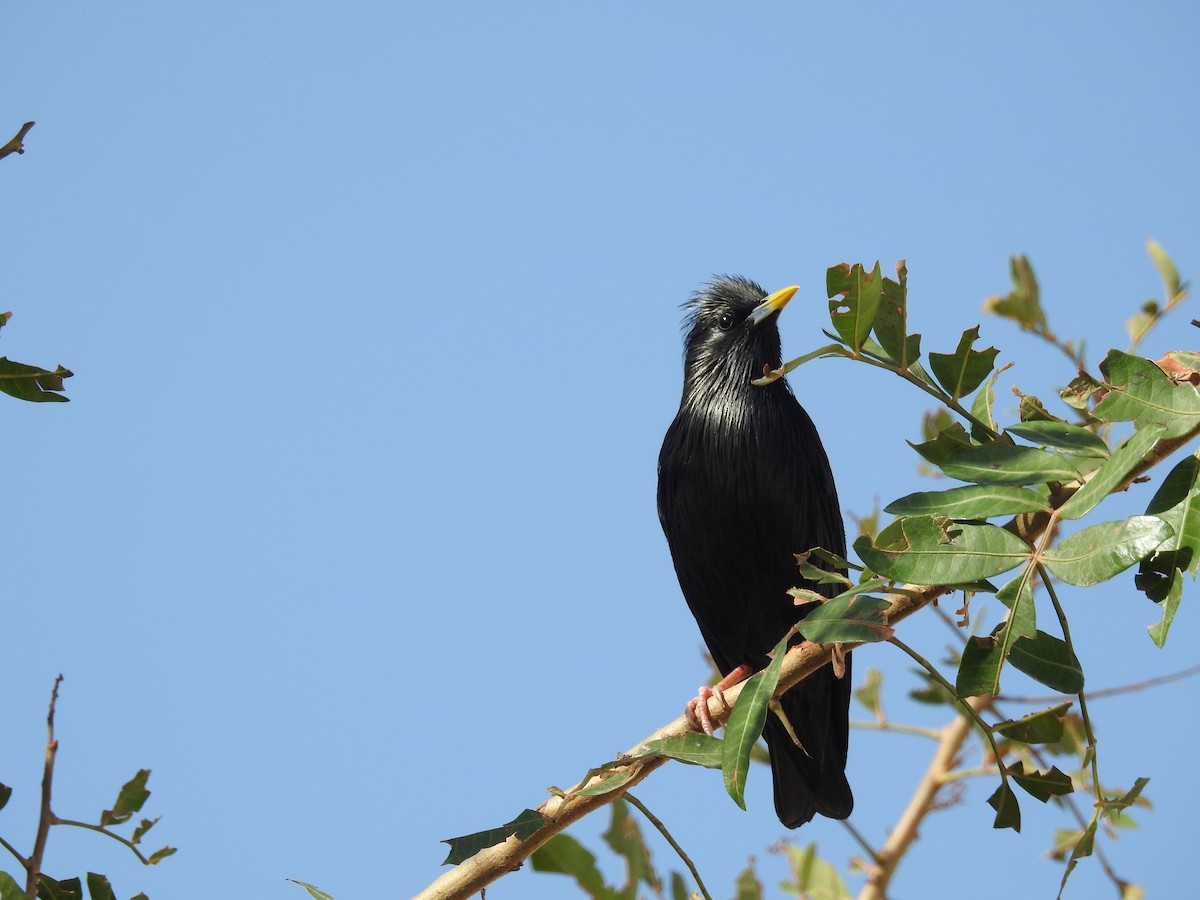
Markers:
{"x": 34, "y": 866}
{"x": 1108, "y": 692}
{"x": 102, "y": 830}
{"x": 662, "y": 829}
{"x": 933, "y": 733}
{"x": 861, "y": 841}
{"x": 954, "y": 735}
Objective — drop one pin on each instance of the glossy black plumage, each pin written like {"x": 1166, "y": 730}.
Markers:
{"x": 743, "y": 485}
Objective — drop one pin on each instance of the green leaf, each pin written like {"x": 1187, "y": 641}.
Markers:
{"x": 1049, "y": 660}
{"x": 1140, "y": 391}
{"x": 67, "y": 889}
{"x": 1073, "y": 440}
{"x": 32, "y": 383}
{"x": 1006, "y": 464}
{"x": 1112, "y": 472}
{"x": 159, "y": 855}
{"x": 1041, "y": 785}
{"x": 933, "y": 550}
{"x": 977, "y": 501}
{"x": 99, "y": 888}
{"x": 1176, "y": 502}
{"x": 948, "y": 443}
{"x": 625, "y": 839}
{"x": 746, "y": 724}
{"x": 891, "y": 321}
{"x": 985, "y": 400}
{"x": 868, "y": 694}
{"x": 617, "y": 780}
{"x": 464, "y": 847}
{"x": 965, "y": 369}
{"x": 679, "y": 889}
{"x": 1031, "y": 409}
{"x": 1080, "y": 390}
{"x": 847, "y": 618}
{"x": 1166, "y": 269}
{"x": 1008, "y": 811}
{"x": 813, "y": 878}
{"x": 5, "y": 794}
{"x": 1017, "y": 595}
{"x": 1044, "y": 726}
{"x": 314, "y": 892}
{"x": 140, "y": 831}
{"x": 854, "y": 301}
{"x": 1127, "y": 799}
{"x": 694, "y": 748}
{"x": 979, "y": 668}
{"x": 9, "y": 889}
{"x": 1170, "y": 606}
{"x": 133, "y": 794}
{"x": 932, "y": 693}
{"x": 1023, "y": 304}
{"x": 1084, "y": 845}
{"x": 747, "y": 886}
{"x": 1099, "y": 552}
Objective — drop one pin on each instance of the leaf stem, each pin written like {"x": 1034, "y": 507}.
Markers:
{"x": 662, "y": 829}
{"x": 970, "y": 710}
{"x": 1083, "y": 710}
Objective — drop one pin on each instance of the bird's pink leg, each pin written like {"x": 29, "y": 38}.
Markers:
{"x": 696, "y": 710}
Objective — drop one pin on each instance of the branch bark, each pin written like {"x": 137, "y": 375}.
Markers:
{"x": 888, "y": 857}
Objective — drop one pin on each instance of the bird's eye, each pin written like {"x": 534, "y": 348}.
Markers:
{"x": 726, "y": 321}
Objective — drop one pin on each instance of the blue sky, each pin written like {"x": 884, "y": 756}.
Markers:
{"x": 349, "y": 532}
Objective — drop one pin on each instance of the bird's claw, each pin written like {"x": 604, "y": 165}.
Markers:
{"x": 697, "y": 712}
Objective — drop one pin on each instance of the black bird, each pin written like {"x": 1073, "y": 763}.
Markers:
{"x": 743, "y": 485}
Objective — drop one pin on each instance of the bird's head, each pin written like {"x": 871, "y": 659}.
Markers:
{"x": 732, "y": 332}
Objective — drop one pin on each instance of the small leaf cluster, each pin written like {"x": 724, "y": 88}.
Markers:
{"x": 130, "y": 799}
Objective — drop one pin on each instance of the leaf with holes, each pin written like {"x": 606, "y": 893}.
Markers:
{"x": 934, "y": 550}
{"x": 891, "y": 321}
{"x": 853, "y": 301}
{"x": 1140, "y": 391}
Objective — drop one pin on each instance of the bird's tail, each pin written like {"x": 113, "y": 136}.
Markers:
{"x": 813, "y": 779}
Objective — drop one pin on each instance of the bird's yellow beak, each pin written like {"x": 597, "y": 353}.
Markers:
{"x": 773, "y": 304}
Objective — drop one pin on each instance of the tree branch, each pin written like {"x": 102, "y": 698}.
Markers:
{"x": 474, "y": 874}
{"x": 888, "y": 857}
{"x": 34, "y": 867}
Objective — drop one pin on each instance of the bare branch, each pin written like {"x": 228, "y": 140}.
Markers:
{"x": 888, "y": 857}
{"x": 46, "y": 817}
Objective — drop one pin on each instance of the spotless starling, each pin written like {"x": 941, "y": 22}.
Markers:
{"x": 744, "y": 485}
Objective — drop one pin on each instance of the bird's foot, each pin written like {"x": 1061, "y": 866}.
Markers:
{"x": 696, "y": 710}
